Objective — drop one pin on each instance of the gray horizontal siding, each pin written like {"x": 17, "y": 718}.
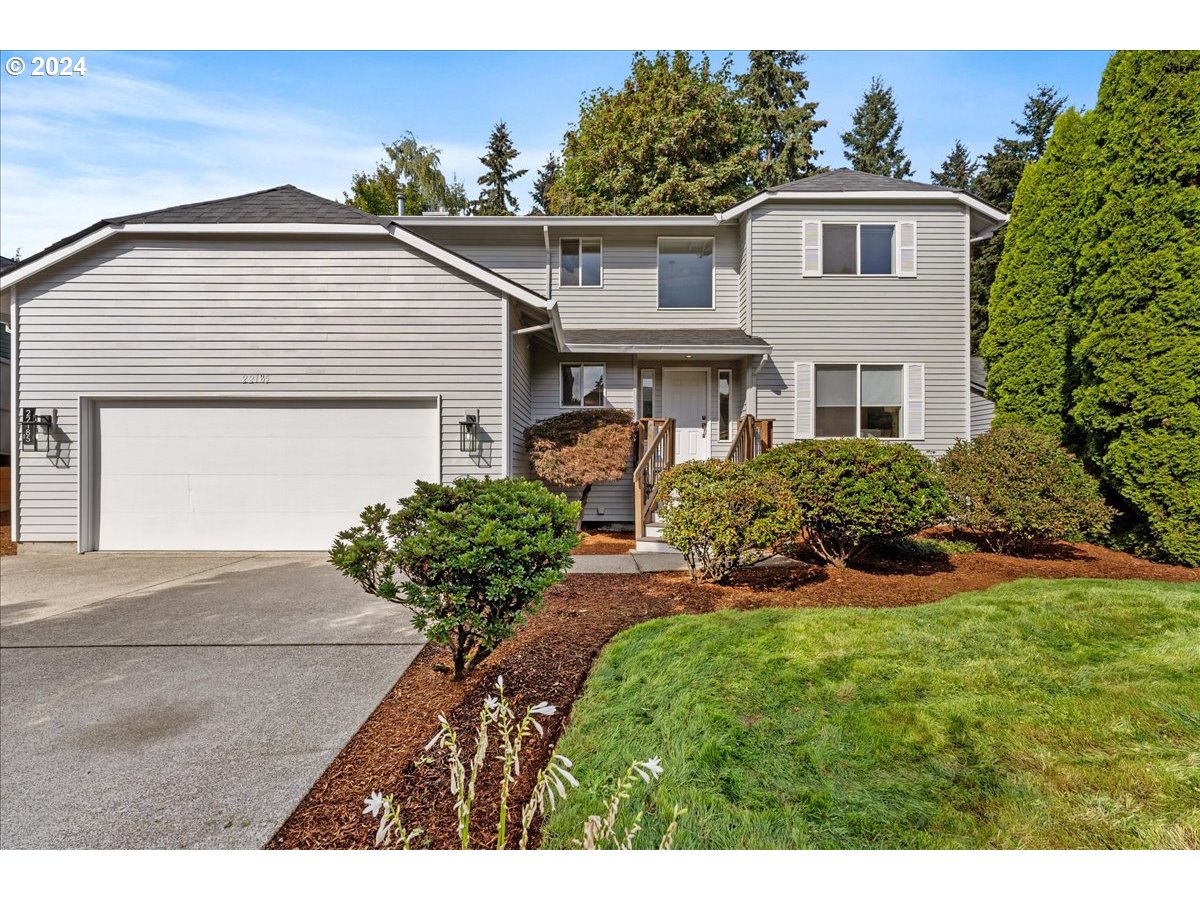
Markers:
{"x": 629, "y": 295}
{"x": 864, "y": 319}
{"x": 983, "y": 411}
{"x": 321, "y": 317}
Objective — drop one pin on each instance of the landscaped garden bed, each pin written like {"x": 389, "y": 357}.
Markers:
{"x": 598, "y": 542}
{"x": 552, "y": 653}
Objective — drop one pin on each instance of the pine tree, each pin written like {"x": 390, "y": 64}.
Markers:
{"x": 873, "y": 144}
{"x": 496, "y": 199}
{"x": 1028, "y": 342}
{"x": 546, "y": 176}
{"x": 773, "y": 90}
{"x": 1138, "y": 297}
{"x": 997, "y": 184}
{"x": 958, "y": 170}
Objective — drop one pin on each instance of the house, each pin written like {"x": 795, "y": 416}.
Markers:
{"x": 983, "y": 410}
{"x": 5, "y": 398}
{"x": 248, "y": 373}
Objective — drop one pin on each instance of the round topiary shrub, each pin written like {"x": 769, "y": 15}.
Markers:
{"x": 477, "y": 556}
{"x": 580, "y": 448}
{"x": 1016, "y": 486}
{"x": 849, "y": 492}
{"x": 720, "y": 515}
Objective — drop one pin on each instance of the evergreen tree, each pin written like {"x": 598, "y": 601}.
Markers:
{"x": 1028, "y": 342}
{"x": 674, "y": 139}
{"x": 958, "y": 170}
{"x": 1138, "y": 297}
{"x": 873, "y": 144}
{"x": 496, "y": 199}
{"x": 546, "y": 177}
{"x": 410, "y": 168}
{"x": 773, "y": 90}
{"x": 997, "y": 184}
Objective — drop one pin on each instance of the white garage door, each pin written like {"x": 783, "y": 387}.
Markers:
{"x": 252, "y": 475}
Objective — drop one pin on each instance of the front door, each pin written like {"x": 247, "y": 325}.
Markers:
{"x": 685, "y": 399}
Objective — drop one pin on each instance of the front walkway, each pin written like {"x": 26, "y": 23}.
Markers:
{"x": 180, "y": 700}
{"x": 628, "y": 563}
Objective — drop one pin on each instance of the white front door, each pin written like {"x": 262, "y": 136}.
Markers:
{"x": 685, "y": 399}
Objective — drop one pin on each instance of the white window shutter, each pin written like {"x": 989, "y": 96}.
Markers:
{"x": 811, "y": 255}
{"x": 914, "y": 401}
{"x": 907, "y": 244}
{"x": 804, "y": 400}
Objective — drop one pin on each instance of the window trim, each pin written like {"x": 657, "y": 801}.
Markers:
{"x": 728, "y": 424}
{"x": 582, "y": 364}
{"x": 642, "y": 373}
{"x": 858, "y": 367}
{"x": 858, "y": 273}
{"x": 581, "y": 238}
{"x": 712, "y": 240}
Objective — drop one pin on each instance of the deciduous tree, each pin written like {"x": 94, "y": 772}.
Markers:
{"x": 412, "y": 169}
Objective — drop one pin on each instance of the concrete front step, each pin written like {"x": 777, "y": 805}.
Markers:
{"x": 652, "y": 544}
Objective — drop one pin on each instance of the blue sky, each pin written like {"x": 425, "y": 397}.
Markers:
{"x": 145, "y": 130}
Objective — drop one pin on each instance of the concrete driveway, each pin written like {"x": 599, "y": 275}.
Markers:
{"x": 180, "y": 700}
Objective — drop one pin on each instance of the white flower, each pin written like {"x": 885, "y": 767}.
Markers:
{"x": 650, "y": 769}
{"x": 491, "y": 703}
{"x": 543, "y": 709}
{"x": 373, "y": 804}
{"x": 500, "y": 682}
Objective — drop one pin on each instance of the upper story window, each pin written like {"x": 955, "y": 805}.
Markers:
{"x": 685, "y": 273}
{"x": 581, "y": 262}
{"x": 860, "y": 248}
{"x": 582, "y": 384}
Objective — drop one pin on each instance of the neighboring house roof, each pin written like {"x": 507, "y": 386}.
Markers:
{"x": 676, "y": 340}
{"x": 285, "y": 208}
{"x": 978, "y": 374}
{"x": 6, "y": 263}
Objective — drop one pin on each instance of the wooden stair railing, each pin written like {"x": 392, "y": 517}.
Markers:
{"x": 656, "y": 454}
{"x": 754, "y": 436}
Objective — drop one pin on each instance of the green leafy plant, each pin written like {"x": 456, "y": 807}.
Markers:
{"x": 849, "y": 492}
{"x": 476, "y": 556}
{"x": 511, "y": 731}
{"x": 721, "y": 515}
{"x": 580, "y": 448}
{"x": 1015, "y": 485}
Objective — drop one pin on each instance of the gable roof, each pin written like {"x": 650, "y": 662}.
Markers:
{"x": 286, "y": 207}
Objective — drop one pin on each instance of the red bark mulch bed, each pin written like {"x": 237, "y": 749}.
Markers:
{"x": 598, "y": 543}
{"x": 551, "y": 655}
{"x": 7, "y": 547}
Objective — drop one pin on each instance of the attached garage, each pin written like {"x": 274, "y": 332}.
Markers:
{"x": 262, "y": 474}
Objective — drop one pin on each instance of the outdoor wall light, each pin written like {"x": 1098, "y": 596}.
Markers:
{"x": 468, "y": 434}
{"x": 32, "y": 423}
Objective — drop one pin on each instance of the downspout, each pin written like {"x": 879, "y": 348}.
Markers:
{"x": 549, "y": 275}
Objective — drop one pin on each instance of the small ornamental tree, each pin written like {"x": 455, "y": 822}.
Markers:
{"x": 721, "y": 515}
{"x": 852, "y": 491}
{"x": 581, "y": 447}
{"x": 476, "y": 556}
{"x": 1018, "y": 486}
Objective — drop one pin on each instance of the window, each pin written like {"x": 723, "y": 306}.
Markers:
{"x": 583, "y": 384}
{"x": 647, "y": 393}
{"x": 724, "y": 398}
{"x": 580, "y": 262}
{"x": 685, "y": 273}
{"x": 858, "y": 249}
{"x": 859, "y": 401}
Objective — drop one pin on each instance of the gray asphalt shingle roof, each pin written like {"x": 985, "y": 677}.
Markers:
{"x": 286, "y": 204}
{"x": 841, "y": 180}
{"x": 664, "y": 337}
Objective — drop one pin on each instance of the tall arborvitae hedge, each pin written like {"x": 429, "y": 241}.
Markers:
{"x": 1117, "y": 218}
{"x": 1026, "y": 344}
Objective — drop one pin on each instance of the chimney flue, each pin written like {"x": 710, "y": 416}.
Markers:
{"x": 399, "y": 203}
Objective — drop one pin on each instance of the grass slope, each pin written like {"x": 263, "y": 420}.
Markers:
{"x": 1034, "y": 714}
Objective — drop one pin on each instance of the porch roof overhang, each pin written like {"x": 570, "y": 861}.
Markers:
{"x": 664, "y": 341}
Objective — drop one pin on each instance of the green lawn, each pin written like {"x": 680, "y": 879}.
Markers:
{"x": 1034, "y": 714}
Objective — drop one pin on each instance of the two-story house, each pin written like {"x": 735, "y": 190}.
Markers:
{"x": 248, "y": 373}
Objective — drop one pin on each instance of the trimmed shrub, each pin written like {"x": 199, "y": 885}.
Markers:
{"x": 581, "y": 447}
{"x": 1016, "y": 486}
{"x": 720, "y": 515}
{"x": 849, "y": 492}
{"x": 477, "y": 555}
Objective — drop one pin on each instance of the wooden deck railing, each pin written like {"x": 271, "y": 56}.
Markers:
{"x": 754, "y": 436}
{"x": 656, "y": 454}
